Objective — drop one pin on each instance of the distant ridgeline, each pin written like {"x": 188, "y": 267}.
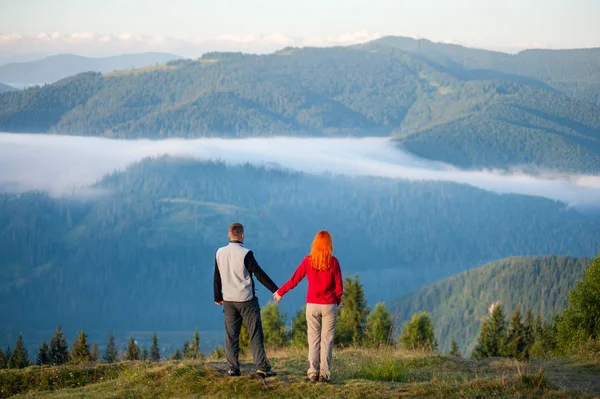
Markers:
{"x": 472, "y": 108}
{"x": 459, "y": 304}
{"x": 141, "y": 255}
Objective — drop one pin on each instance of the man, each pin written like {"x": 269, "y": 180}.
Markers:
{"x": 234, "y": 290}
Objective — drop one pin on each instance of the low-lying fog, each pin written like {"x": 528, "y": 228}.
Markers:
{"x": 58, "y": 164}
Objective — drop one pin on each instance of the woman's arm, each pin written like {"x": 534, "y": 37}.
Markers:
{"x": 298, "y": 275}
{"x": 339, "y": 283}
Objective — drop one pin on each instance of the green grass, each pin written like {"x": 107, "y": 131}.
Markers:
{"x": 356, "y": 374}
{"x": 386, "y": 370}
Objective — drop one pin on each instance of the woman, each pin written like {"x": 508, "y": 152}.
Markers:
{"x": 324, "y": 295}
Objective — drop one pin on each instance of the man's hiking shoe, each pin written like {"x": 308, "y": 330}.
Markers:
{"x": 233, "y": 373}
{"x": 266, "y": 373}
{"x": 313, "y": 377}
{"x": 323, "y": 379}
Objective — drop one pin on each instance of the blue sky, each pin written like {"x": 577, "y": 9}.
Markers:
{"x": 263, "y": 25}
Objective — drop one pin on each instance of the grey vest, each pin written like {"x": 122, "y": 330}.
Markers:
{"x": 236, "y": 282}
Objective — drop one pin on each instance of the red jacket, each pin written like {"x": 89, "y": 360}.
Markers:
{"x": 324, "y": 287}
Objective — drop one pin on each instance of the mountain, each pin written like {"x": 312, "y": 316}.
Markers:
{"x": 56, "y": 67}
{"x": 459, "y": 303}
{"x": 434, "y": 106}
{"x": 21, "y": 57}
{"x": 136, "y": 251}
{"x": 4, "y": 88}
{"x": 575, "y": 72}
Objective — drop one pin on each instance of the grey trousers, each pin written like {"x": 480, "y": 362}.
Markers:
{"x": 249, "y": 312}
{"x": 320, "y": 320}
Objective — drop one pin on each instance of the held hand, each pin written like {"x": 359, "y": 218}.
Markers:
{"x": 276, "y": 296}
{"x": 220, "y": 303}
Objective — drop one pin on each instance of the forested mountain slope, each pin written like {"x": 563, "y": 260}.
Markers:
{"x": 146, "y": 243}
{"x": 459, "y": 303}
{"x": 575, "y": 72}
{"x": 456, "y": 115}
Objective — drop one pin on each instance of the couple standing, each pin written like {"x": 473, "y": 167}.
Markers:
{"x": 234, "y": 290}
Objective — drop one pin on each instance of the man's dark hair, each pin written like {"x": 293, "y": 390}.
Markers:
{"x": 236, "y": 230}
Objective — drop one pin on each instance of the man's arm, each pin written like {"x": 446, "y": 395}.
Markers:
{"x": 253, "y": 267}
{"x": 217, "y": 285}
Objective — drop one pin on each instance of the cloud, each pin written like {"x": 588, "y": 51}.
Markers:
{"x": 94, "y": 44}
{"x": 66, "y": 164}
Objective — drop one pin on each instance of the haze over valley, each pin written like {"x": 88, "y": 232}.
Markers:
{"x": 62, "y": 165}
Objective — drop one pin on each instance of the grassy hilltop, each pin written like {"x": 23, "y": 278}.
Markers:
{"x": 357, "y": 373}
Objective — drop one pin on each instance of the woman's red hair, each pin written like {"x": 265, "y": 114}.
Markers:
{"x": 322, "y": 251}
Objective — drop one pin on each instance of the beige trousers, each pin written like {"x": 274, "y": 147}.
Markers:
{"x": 320, "y": 320}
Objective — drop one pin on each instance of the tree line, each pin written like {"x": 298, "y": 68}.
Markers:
{"x": 458, "y": 304}
{"x": 58, "y": 351}
{"x": 575, "y": 330}
{"x": 357, "y": 326}
{"x": 522, "y": 338}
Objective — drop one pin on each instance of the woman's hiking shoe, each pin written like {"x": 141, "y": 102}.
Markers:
{"x": 266, "y": 373}
{"x": 313, "y": 377}
{"x": 233, "y": 373}
{"x": 323, "y": 379}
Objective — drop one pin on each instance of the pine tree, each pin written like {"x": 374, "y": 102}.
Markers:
{"x": 144, "y": 354}
{"x": 177, "y": 355}
{"x": 378, "y": 329}
{"x": 300, "y": 329}
{"x": 492, "y": 336}
{"x": 59, "y": 350}
{"x": 110, "y": 354}
{"x": 43, "y": 356}
{"x": 195, "y": 347}
{"x": 454, "y": 351}
{"x": 80, "y": 351}
{"x": 133, "y": 351}
{"x": 244, "y": 337}
{"x": 418, "y": 333}
{"x": 580, "y": 322}
{"x": 515, "y": 344}
{"x": 273, "y": 323}
{"x": 154, "y": 349}
{"x": 186, "y": 350}
{"x": 353, "y": 313}
{"x": 3, "y": 362}
{"x": 95, "y": 354}
{"x": 528, "y": 332}
{"x": 7, "y": 354}
{"x": 19, "y": 358}
{"x": 538, "y": 326}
